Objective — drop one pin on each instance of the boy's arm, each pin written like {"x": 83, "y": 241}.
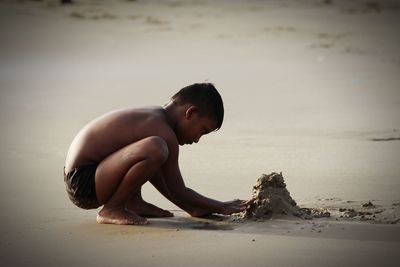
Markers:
{"x": 158, "y": 182}
{"x": 184, "y": 196}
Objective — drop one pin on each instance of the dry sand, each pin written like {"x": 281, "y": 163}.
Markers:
{"x": 311, "y": 88}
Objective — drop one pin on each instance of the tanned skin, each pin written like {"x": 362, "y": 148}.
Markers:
{"x": 133, "y": 146}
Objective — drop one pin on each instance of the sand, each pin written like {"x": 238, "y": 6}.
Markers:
{"x": 311, "y": 88}
{"x": 271, "y": 200}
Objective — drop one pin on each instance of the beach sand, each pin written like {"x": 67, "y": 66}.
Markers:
{"x": 311, "y": 89}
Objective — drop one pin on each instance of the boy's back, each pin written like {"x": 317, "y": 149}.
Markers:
{"x": 112, "y": 131}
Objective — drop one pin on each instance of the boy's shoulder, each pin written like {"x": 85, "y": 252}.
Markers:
{"x": 156, "y": 122}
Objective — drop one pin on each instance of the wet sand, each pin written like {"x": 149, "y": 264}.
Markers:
{"x": 310, "y": 89}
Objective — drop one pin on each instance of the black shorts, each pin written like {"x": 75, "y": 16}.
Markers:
{"x": 80, "y": 185}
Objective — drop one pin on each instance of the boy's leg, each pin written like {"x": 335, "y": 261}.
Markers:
{"x": 136, "y": 204}
{"x": 124, "y": 172}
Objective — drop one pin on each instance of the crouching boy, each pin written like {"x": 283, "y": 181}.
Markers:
{"x": 114, "y": 155}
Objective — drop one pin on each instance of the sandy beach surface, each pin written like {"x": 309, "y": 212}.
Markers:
{"x": 311, "y": 89}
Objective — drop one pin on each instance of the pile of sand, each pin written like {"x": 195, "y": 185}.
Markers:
{"x": 272, "y": 199}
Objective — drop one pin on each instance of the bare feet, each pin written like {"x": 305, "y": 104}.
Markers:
{"x": 119, "y": 216}
{"x": 146, "y": 209}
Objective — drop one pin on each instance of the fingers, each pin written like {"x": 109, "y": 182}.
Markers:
{"x": 242, "y": 208}
{"x": 237, "y": 205}
{"x": 238, "y": 201}
{"x": 241, "y": 205}
{"x": 250, "y": 201}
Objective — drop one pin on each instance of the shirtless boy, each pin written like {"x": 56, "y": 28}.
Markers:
{"x": 114, "y": 155}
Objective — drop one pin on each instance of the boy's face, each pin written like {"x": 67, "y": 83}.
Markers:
{"x": 193, "y": 126}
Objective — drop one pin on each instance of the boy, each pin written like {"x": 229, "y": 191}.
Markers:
{"x": 113, "y": 156}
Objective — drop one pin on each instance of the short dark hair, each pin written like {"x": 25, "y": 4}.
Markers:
{"x": 205, "y": 97}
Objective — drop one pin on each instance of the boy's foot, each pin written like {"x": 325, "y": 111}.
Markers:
{"x": 119, "y": 216}
{"x": 146, "y": 209}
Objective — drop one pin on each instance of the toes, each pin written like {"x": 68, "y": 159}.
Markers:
{"x": 99, "y": 219}
{"x": 122, "y": 219}
{"x": 141, "y": 222}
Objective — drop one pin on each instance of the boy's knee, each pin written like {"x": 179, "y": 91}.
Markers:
{"x": 158, "y": 148}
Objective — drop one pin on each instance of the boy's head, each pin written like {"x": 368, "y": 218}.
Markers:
{"x": 205, "y": 97}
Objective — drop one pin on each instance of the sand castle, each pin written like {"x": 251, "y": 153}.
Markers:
{"x": 272, "y": 199}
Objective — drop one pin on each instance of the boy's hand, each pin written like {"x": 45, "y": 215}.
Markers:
{"x": 234, "y": 206}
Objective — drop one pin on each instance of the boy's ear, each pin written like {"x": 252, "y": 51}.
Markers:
{"x": 191, "y": 111}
